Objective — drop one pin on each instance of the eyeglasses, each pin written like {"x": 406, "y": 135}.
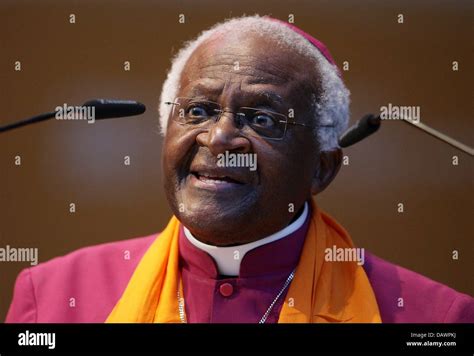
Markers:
{"x": 202, "y": 113}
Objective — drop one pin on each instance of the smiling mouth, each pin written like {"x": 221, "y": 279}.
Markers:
{"x": 212, "y": 179}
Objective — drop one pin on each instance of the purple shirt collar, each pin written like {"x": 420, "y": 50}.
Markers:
{"x": 276, "y": 257}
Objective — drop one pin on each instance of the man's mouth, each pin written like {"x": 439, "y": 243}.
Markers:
{"x": 214, "y": 179}
{"x": 217, "y": 179}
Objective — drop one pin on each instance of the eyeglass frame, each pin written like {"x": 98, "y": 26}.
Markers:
{"x": 224, "y": 110}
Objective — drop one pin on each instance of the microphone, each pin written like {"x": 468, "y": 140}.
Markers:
{"x": 103, "y": 109}
{"x": 362, "y": 128}
{"x": 110, "y": 108}
{"x": 371, "y": 123}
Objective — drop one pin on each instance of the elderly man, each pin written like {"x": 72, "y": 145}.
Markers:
{"x": 251, "y": 112}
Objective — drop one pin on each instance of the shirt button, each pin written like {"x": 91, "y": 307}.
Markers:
{"x": 226, "y": 289}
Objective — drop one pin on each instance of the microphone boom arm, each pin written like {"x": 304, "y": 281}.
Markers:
{"x": 31, "y": 120}
{"x": 441, "y": 136}
{"x": 370, "y": 124}
{"x": 104, "y": 109}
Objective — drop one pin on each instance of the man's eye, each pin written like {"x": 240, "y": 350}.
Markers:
{"x": 263, "y": 120}
{"x": 197, "y": 111}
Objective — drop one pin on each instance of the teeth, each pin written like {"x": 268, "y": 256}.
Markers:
{"x": 214, "y": 181}
{"x": 209, "y": 176}
{"x": 214, "y": 178}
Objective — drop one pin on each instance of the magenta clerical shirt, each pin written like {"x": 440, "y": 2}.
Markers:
{"x": 95, "y": 277}
{"x": 211, "y": 298}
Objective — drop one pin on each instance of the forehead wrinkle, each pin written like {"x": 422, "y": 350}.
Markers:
{"x": 259, "y": 75}
{"x": 204, "y": 60}
{"x": 201, "y": 86}
{"x": 253, "y": 91}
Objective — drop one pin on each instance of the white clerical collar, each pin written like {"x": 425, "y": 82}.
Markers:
{"x": 228, "y": 258}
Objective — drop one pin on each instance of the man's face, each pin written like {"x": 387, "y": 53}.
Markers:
{"x": 234, "y": 205}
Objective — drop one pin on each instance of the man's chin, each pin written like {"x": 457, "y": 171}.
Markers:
{"x": 213, "y": 216}
{"x": 216, "y": 223}
{"x": 219, "y": 232}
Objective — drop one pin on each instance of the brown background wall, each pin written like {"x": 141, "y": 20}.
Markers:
{"x": 63, "y": 162}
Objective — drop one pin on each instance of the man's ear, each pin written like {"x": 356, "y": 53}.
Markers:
{"x": 326, "y": 170}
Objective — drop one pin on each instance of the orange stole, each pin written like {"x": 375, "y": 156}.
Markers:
{"x": 320, "y": 291}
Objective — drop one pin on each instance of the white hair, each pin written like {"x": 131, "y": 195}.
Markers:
{"x": 331, "y": 105}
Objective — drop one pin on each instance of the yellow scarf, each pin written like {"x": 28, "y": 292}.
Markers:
{"x": 320, "y": 291}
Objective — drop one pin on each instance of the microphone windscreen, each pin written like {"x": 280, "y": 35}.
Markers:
{"x": 109, "y": 108}
{"x": 363, "y": 128}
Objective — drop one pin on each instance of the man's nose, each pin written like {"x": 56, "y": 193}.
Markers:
{"x": 224, "y": 135}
